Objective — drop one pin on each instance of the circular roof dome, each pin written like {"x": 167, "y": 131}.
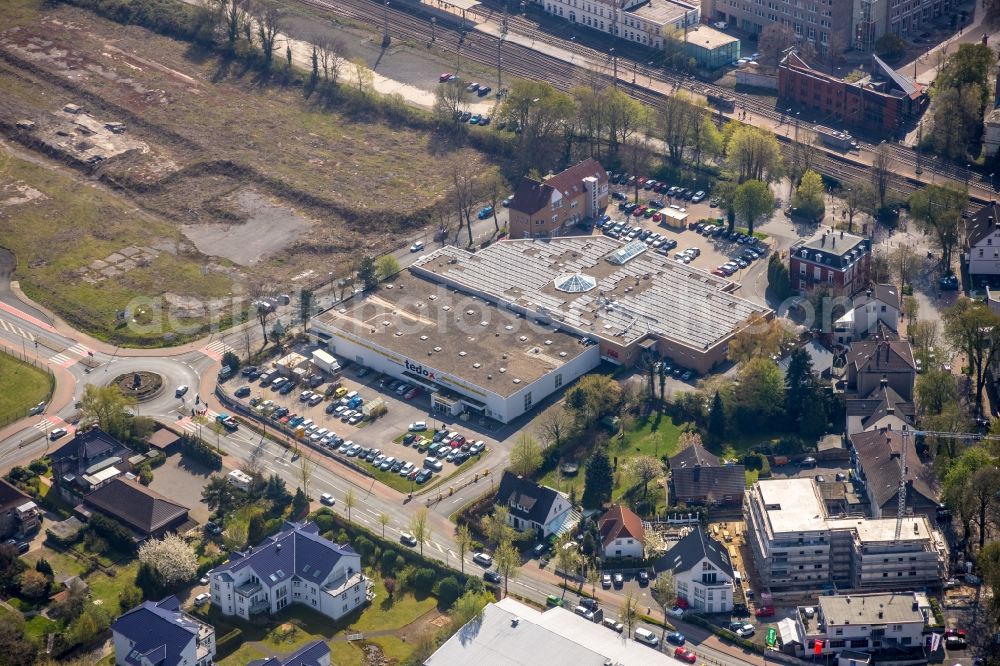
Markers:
{"x": 575, "y": 283}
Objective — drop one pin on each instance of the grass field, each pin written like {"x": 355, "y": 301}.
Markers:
{"x": 24, "y": 387}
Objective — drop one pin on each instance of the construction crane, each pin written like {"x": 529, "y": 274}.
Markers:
{"x": 901, "y": 505}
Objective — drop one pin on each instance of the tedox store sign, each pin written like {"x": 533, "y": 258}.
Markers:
{"x": 419, "y": 369}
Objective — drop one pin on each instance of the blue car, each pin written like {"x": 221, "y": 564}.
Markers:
{"x": 485, "y": 212}
{"x": 677, "y": 638}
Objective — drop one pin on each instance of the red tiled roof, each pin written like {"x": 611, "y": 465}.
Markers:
{"x": 531, "y": 195}
{"x": 620, "y": 523}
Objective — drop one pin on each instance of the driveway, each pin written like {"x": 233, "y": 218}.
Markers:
{"x": 181, "y": 480}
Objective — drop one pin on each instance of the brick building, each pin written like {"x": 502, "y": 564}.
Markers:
{"x": 543, "y": 208}
{"x": 838, "y": 260}
{"x": 883, "y": 101}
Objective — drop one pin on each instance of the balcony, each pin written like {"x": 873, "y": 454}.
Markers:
{"x": 248, "y": 589}
{"x": 259, "y": 607}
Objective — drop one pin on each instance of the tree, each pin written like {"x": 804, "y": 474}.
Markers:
{"x": 773, "y": 41}
{"x": 937, "y": 210}
{"x": 419, "y": 528}
{"x": 598, "y": 480}
{"x": 364, "y": 76}
{"x": 275, "y": 490}
{"x": 314, "y": 71}
{"x": 972, "y": 327}
{"x": 450, "y": 101}
{"x": 753, "y": 153}
{"x": 468, "y": 607}
{"x": 525, "y": 456}
{"x": 956, "y": 121}
{"x": 985, "y": 489}
{"x": 34, "y": 585}
{"x": 858, "y": 197}
{"x": 129, "y": 598}
{"x": 262, "y": 306}
{"x": 350, "y": 501}
{"x": 305, "y": 306}
{"x": 256, "y": 528}
{"x": 367, "y": 273}
{"x": 497, "y": 527}
{"x": 507, "y": 559}
{"x": 758, "y": 337}
{"x": 665, "y": 594}
{"x": 970, "y": 65}
{"x": 904, "y": 263}
{"x": 267, "y": 19}
{"x": 333, "y": 57}
{"x": 753, "y": 201}
{"x": 173, "y": 560}
{"x": 447, "y": 591}
{"x": 970, "y": 486}
{"x": 464, "y": 198}
{"x": 232, "y": 360}
{"x": 43, "y": 567}
{"x": 923, "y": 335}
{"x": 808, "y": 197}
{"x": 306, "y": 469}
{"x": 383, "y": 520}
{"x": 591, "y": 398}
{"x": 555, "y": 426}
{"x": 567, "y": 556}
{"x": 385, "y": 266}
{"x": 300, "y": 505}
{"x": 717, "y": 419}
{"x": 108, "y": 408}
{"x": 542, "y": 114}
{"x": 463, "y": 540}
{"x": 883, "y": 166}
{"x": 988, "y": 567}
{"x": 643, "y": 469}
{"x": 801, "y": 384}
{"x": 677, "y": 120}
{"x": 628, "y": 612}
{"x": 219, "y": 495}
{"x": 761, "y": 395}
{"x": 890, "y": 46}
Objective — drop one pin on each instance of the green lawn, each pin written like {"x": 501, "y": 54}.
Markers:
{"x": 107, "y": 588}
{"x": 382, "y": 614}
{"x": 24, "y": 387}
{"x": 37, "y": 627}
{"x": 395, "y": 649}
{"x": 63, "y": 564}
{"x": 243, "y": 656}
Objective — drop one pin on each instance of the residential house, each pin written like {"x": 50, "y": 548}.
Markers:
{"x": 982, "y": 246}
{"x": 158, "y": 633}
{"x": 866, "y": 622}
{"x": 876, "y": 462}
{"x": 622, "y": 533}
{"x": 836, "y": 260}
{"x": 882, "y": 101}
{"x": 18, "y": 513}
{"x": 144, "y": 511}
{"x": 702, "y": 572}
{"x": 316, "y": 653}
{"x": 872, "y": 360}
{"x": 532, "y": 506}
{"x": 879, "y": 304}
{"x": 86, "y": 462}
{"x": 698, "y": 477}
{"x": 547, "y": 207}
{"x": 296, "y": 565}
{"x": 883, "y": 408}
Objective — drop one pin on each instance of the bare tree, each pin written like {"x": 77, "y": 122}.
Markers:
{"x": 881, "y": 173}
{"x": 246, "y": 336}
{"x": 450, "y": 101}
{"x": 629, "y": 613}
{"x": 262, "y": 306}
{"x": 555, "y": 426}
{"x": 383, "y": 520}
{"x": 665, "y": 594}
{"x": 234, "y": 15}
{"x": 904, "y": 264}
{"x": 306, "y": 469}
{"x": 362, "y": 75}
{"x": 857, "y": 198}
{"x": 494, "y": 189}
{"x": 332, "y": 57}
{"x": 464, "y": 198}
{"x": 349, "y": 502}
{"x": 419, "y": 528}
{"x": 268, "y": 19}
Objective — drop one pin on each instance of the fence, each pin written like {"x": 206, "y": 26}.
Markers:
{"x": 21, "y": 355}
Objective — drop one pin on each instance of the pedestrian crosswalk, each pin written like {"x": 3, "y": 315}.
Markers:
{"x": 49, "y": 423}
{"x": 215, "y": 350}
{"x": 70, "y": 355}
{"x": 188, "y": 424}
{"x": 11, "y": 327}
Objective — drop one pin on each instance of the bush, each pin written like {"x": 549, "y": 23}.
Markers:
{"x": 390, "y": 562}
{"x": 447, "y": 590}
{"x": 423, "y": 579}
{"x": 790, "y": 445}
{"x": 38, "y": 466}
{"x": 116, "y": 534}
{"x": 201, "y": 452}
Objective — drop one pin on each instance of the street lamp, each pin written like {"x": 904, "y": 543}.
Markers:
{"x": 385, "y": 25}
{"x": 433, "y": 24}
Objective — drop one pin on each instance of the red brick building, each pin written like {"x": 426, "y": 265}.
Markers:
{"x": 541, "y": 209}
{"x": 882, "y": 102}
{"x": 834, "y": 259}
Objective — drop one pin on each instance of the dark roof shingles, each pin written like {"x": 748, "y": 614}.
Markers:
{"x": 137, "y": 506}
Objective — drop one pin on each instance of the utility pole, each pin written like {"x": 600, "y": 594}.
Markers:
{"x": 500, "y": 61}
{"x": 614, "y": 65}
{"x": 920, "y": 139}
{"x": 433, "y": 24}
{"x": 385, "y": 25}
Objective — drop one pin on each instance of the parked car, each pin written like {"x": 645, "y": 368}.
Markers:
{"x": 180, "y": 390}
{"x": 57, "y": 433}
{"x": 618, "y": 580}
{"x": 606, "y": 581}
{"x": 613, "y": 624}
{"x": 202, "y": 599}
{"x": 417, "y": 246}
{"x": 948, "y": 283}
{"x": 764, "y": 611}
{"x": 584, "y": 613}
{"x": 685, "y": 655}
{"x": 485, "y": 212}
{"x": 494, "y": 578}
{"x": 242, "y": 392}
{"x": 483, "y": 559}
{"x": 551, "y": 600}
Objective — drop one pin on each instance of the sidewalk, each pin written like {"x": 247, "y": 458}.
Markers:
{"x": 924, "y": 68}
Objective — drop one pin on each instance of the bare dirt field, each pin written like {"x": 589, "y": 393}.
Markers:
{"x": 187, "y": 138}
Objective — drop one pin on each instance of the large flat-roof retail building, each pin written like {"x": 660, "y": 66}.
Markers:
{"x": 796, "y": 545}
{"x": 496, "y": 331}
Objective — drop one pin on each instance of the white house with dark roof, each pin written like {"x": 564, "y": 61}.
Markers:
{"x": 982, "y": 248}
{"x": 532, "y": 506}
{"x": 870, "y": 623}
{"x": 157, "y": 633}
{"x": 702, "y": 572}
{"x": 296, "y": 565}
{"x": 878, "y": 304}
{"x": 883, "y": 408}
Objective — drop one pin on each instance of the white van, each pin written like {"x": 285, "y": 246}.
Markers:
{"x": 646, "y": 636}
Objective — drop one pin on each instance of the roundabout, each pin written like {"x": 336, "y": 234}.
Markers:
{"x": 141, "y": 384}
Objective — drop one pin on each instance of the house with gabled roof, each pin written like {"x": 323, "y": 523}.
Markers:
{"x": 158, "y": 633}
{"x": 874, "y": 359}
{"x": 316, "y": 653}
{"x": 702, "y": 572}
{"x": 982, "y": 244}
{"x": 87, "y": 462}
{"x": 532, "y": 506}
{"x": 883, "y": 408}
{"x": 879, "y": 304}
{"x": 546, "y": 207}
{"x": 876, "y": 462}
{"x": 145, "y": 511}
{"x": 622, "y": 533}
{"x": 698, "y": 477}
{"x": 296, "y": 565}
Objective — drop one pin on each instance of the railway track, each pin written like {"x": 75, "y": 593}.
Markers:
{"x": 520, "y": 61}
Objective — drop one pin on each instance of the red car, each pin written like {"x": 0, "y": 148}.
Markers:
{"x": 639, "y": 211}
{"x": 682, "y": 603}
{"x": 685, "y": 655}
{"x": 641, "y": 181}
{"x": 458, "y": 441}
{"x": 764, "y": 611}
{"x": 957, "y": 633}
{"x": 411, "y": 394}
{"x": 720, "y": 272}
{"x": 447, "y": 76}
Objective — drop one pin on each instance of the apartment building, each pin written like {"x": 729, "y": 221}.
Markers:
{"x": 544, "y": 208}
{"x": 824, "y": 23}
{"x": 796, "y": 545}
{"x": 866, "y": 622}
{"x": 158, "y": 632}
{"x": 645, "y": 22}
{"x": 837, "y": 260}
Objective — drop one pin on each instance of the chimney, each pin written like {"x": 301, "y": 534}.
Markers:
{"x": 883, "y": 382}
{"x": 277, "y": 547}
{"x": 868, "y": 293}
